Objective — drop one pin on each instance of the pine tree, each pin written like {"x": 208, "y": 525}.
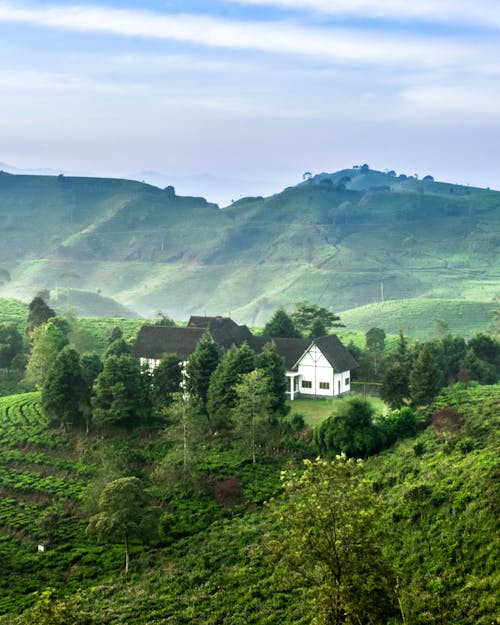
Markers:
{"x": 199, "y": 369}
{"x": 221, "y": 392}
{"x": 166, "y": 381}
{"x": 121, "y": 393}
{"x": 425, "y": 378}
{"x": 281, "y": 325}
{"x": 274, "y": 367}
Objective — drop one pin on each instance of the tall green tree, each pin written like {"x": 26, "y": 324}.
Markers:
{"x": 121, "y": 394}
{"x": 199, "y": 369}
{"x": 47, "y": 340}
{"x": 125, "y": 515}
{"x": 63, "y": 390}
{"x": 330, "y": 539}
{"x": 281, "y": 325}
{"x": 252, "y": 410}
{"x": 273, "y": 366}
{"x": 222, "y": 392}
{"x": 307, "y": 317}
{"x": 11, "y": 344}
{"x": 375, "y": 340}
{"x": 39, "y": 312}
{"x": 166, "y": 381}
{"x": 425, "y": 378}
{"x": 395, "y": 388}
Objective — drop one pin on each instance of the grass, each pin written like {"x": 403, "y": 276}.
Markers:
{"x": 317, "y": 410}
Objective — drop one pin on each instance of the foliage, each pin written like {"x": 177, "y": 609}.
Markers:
{"x": 201, "y": 365}
{"x": 281, "y": 325}
{"x": 252, "y": 410}
{"x": 330, "y": 538}
{"x": 425, "y": 378}
{"x": 47, "y": 340}
{"x": 119, "y": 347}
{"x": 222, "y": 392}
{"x": 375, "y": 339}
{"x": 121, "y": 394}
{"x": 125, "y": 515}
{"x": 39, "y": 312}
{"x": 64, "y": 389}
{"x": 269, "y": 361}
{"x": 313, "y": 321}
{"x": 351, "y": 431}
{"x": 165, "y": 381}
{"x": 11, "y": 344}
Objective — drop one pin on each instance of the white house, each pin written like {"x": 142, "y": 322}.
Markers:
{"x": 314, "y": 367}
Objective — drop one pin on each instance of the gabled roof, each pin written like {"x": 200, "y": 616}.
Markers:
{"x": 156, "y": 341}
{"x": 334, "y": 351}
{"x": 289, "y": 349}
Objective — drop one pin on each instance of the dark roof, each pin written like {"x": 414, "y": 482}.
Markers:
{"x": 156, "y": 341}
{"x": 334, "y": 351}
{"x": 289, "y": 349}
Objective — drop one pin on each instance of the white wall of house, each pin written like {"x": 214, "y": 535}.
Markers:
{"x": 317, "y": 377}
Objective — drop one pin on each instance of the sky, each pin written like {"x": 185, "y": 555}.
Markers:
{"x": 225, "y": 98}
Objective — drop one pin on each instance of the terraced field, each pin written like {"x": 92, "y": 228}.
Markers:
{"x": 40, "y": 474}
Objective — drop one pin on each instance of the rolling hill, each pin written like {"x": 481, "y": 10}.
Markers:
{"x": 343, "y": 240}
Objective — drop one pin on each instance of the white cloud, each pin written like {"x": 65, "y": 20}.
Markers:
{"x": 453, "y": 99}
{"x": 480, "y": 12}
{"x": 339, "y": 45}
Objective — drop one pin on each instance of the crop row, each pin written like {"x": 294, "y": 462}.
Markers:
{"x": 43, "y": 460}
{"x": 19, "y": 515}
{"x": 22, "y": 422}
{"x": 28, "y": 481}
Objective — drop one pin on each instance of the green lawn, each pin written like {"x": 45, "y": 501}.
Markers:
{"x": 315, "y": 411}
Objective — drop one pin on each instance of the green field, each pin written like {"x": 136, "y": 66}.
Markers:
{"x": 438, "y": 495}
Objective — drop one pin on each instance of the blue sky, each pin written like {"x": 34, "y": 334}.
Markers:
{"x": 243, "y": 96}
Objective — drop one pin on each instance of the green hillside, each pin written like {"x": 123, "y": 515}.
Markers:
{"x": 438, "y": 495}
{"x": 417, "y": 317}
{"x": 342, "y": 244}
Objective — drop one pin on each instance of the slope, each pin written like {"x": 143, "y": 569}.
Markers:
{"x": 341, "y": 244}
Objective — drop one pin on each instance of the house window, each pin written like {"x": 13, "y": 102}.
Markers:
{"x": 347, "y": 381}
{"x": 325, "y": 385}
{"x": 306, "y": 384}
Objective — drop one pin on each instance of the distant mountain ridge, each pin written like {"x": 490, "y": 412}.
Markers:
{"x": 343, "y": 240}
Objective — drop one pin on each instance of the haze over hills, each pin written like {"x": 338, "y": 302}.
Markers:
{"x": 342, "y": 240}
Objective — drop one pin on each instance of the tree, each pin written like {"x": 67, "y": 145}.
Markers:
{"x": 395, "y": 388}
{"x": 281, "y": 325}
{"x": 48, "y": 340}
{"x": 166, "y": 381}
{"x": 221, "y": 392}
{"x": 425, "y": 378}
{"x": 63, "y": 390}
{"x": 121, "y": 393}
{"x": 330, "y": 539}
{"x": 91, "y": 366}
{"x": 117, "y": 348}
{"x": 305, "y": 315}
{"x": 125, "y": 514}
{"x": 199, "y": 369}
{"x": 11, "y": 344}
{"x": 39, "y": 312}
{"x": 351, "y": 431}
{"x": 253, "y": 406}
{"x": 273, "y": 366}
{"x": 375, "y": 340}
